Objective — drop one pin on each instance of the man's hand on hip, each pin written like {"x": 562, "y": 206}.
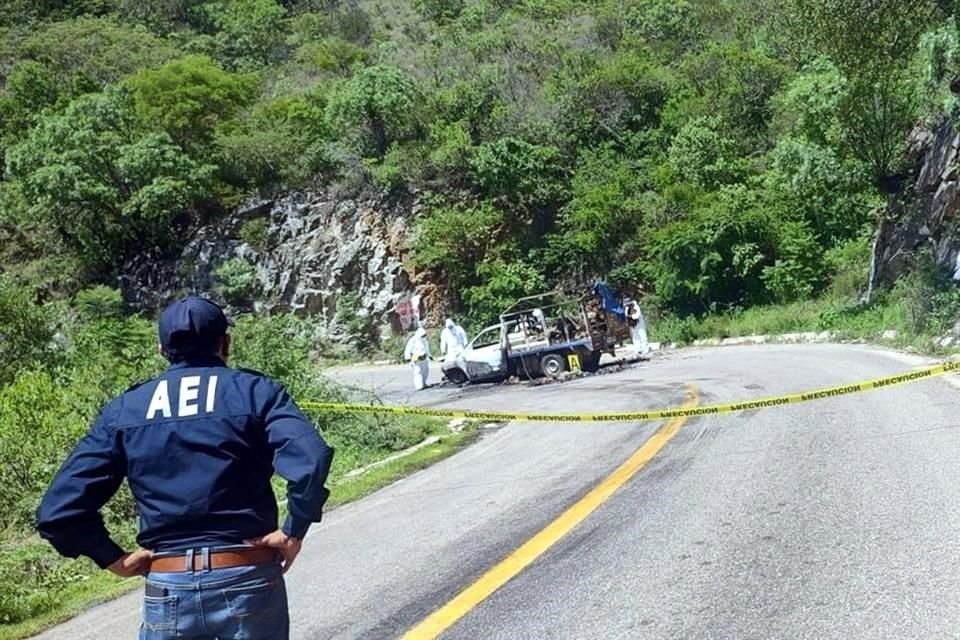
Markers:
{"x": 287, "y": 546}
{"x": 132, "y": 564}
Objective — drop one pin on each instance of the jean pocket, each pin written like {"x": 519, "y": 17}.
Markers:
{"x": 259, "y": 610}
{"x": 159, "y": 618}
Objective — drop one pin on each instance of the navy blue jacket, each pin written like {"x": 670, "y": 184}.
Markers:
{"x": 198, "y": 445}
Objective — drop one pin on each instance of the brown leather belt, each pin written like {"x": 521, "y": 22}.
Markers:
{"x": 218, "y": 560}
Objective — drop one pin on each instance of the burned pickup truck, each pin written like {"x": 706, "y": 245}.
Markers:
{"x": 544, "y": 335}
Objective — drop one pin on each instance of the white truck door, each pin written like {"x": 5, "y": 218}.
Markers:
{"x": 483, "y": 358}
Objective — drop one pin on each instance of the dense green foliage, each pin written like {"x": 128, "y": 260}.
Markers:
{"x": 104, "y": 187}
{"x": 713, "y": 152}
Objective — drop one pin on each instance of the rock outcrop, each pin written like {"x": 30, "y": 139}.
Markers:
{"x": 925, "y": 214}
{"x": 311, "y": 248}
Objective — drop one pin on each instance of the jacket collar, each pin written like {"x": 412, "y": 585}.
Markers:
{"x": 198, "y": 361}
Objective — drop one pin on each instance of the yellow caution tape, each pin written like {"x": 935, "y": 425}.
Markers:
{"x": 655, "y": 414}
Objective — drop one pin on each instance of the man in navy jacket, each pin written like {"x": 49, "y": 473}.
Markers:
{"x": 198, "y": 445}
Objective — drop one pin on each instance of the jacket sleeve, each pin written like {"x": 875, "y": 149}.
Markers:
{"x": 301, "y": 457}
{"x": 69, "y": 514}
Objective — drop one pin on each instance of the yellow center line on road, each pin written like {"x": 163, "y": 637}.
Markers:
{"x": 447, "y": 615}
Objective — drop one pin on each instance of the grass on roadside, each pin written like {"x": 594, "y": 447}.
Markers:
{"x": 922, "y": 307}
{"x": 100, "y": 587}
{"x": 808, "y": 315}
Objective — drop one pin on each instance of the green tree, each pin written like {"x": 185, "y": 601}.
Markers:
{"x": 31, "y": 88}
{"x": 501, "y": 284}
{"x": 189, "y": 97}
{"x": 100, "y": 303}
{"x": 715, "y": 259}
{"x": 26, "y": 331}
{"x": 105, "y": 186}
{"x": 236, "y": 281}
{"x": 334, "y": 55}
{"x": 280, "y": 347}
{"x": 606, "y": 209}
{"x": 737, "y": 85}
{"x": 470, "y": 102}
{"x": 374, "y": 108}
{"x": 86, "y": 54}
{"x": 703, "y": 153}
{"x": 15, "y": 12}
{"x": 440, "y": 11}
{"x": 799, "y": 269}
{"x": 36, "y": 428}
{"x": 520, "y": 172}
{"x": 248, "y": 34}
{"x": 870, "y": 42}
{"x": 940, "y": 68}
{"x": 812, "y": 184}
{"x": 356, "y": 323}
{"x": 450, "y": 149}
{"x": 615, "y": 98}
{"x": 161, "y": 16}
{"x": 277, "y": 142}
{"x": 809, "y": 107}
{"x": 455, "y": 240}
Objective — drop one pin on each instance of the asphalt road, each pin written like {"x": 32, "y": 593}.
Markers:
{"x": 833, "y": 519}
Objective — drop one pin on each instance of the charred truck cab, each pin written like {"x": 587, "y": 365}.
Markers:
{"x": 544, "y": 335}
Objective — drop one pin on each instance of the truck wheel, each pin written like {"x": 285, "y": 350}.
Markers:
{"x": 552, "y": 365}
{"x": 456, "y": 376}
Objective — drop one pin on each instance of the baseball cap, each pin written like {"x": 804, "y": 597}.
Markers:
{"x": 192, "y": 326}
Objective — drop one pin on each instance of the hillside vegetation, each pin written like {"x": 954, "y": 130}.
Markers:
{"x": 727, "y": 155}
{"x": 724, "y": 154}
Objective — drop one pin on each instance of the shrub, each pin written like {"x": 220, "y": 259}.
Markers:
{"x": 393, "y": 171}
{"x": 454, "y": 240}
{"x": 188, "y": 97}
{"x": 930, "y": 297}
{"x": 356, "y": 323}
{"x": 376, "y": 107}
{"x": 99, "y": 303}
{"x": 279, "y": 346}
{"x": 849, "y": 266}
{"x": 33, "y": 578}
{"x": 26, "y": 331}
{"x": 715, "y": 259}
{"x": 103, "y": 184}
{"x": 247, "y": 33}
{"x": 256, "y": 233}
{"x": 502, "y": 284}
{"x": 799, "y": 269}
{"x": 518, "y": 171}
{"x": 701, "y": 153}
{"x": 236, "y": 281}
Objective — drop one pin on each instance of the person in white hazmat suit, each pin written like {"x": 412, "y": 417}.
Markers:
{"x": 417, "y": 353}
{"x": 453, "y": 340}
{"x": 638, "y": 328}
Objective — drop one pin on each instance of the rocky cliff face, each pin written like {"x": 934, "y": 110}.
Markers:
{"x": 925, "y": 214}
{"x": 311, "y": 248}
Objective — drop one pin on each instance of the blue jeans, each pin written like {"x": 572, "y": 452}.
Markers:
{"x": 239, "y": 603}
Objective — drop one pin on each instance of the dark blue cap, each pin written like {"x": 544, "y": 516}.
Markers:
{"x": 192, "y": 326}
